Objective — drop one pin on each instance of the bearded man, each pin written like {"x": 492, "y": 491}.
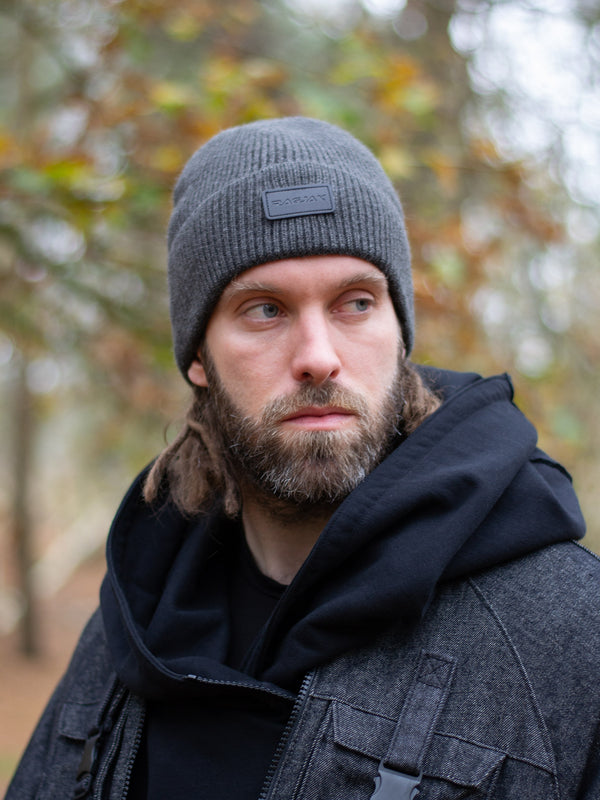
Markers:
{"x": 348, "y": 576}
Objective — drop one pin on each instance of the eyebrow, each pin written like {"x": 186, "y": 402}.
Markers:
{"x": 240, "y": 286}
{"x": 374, "y": 278}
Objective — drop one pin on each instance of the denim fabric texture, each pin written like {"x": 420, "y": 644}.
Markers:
{"x": 520, "y": 719}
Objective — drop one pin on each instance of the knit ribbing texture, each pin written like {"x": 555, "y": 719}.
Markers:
{"x": 219, "y": 228}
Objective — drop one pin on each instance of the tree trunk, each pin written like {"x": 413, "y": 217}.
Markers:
{"x": 23, "y": 419}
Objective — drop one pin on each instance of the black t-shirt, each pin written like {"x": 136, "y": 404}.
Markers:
{"x": 252, "y": 598}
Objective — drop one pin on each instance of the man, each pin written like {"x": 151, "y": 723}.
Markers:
{"x": 348, "y": 576}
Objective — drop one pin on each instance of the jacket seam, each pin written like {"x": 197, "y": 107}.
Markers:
{"x": 326, "y": 723}
{"x": 333, "y": 699}
{"x": 485, "y": 600}
{"x": 585, "y": 549}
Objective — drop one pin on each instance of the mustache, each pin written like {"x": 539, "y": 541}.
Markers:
{"x": 327, "y": 394}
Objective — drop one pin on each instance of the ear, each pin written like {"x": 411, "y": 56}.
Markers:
{"x": 401, "y": 345}
{"x": 196, "y": 373}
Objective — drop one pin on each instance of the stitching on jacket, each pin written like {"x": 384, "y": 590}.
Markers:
{"x": 331, "y": 698}
{"x": 585, "y": 549}
{"x": 501, "y": 750}
{"x": 544, "y": 730}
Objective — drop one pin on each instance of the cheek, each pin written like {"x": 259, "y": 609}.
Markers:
{"x": 252, "y": 378}
{"x": 378, "y": 377}
{"x": 376, "y": 360}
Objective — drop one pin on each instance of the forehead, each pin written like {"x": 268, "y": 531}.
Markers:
{"x": 309, "y": 273}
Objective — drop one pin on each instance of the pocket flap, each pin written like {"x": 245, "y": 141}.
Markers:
{"x": 77, "y": 719}
{"x": 461, "y": 762}
{"x": 361, "y": 731}
{"x": 455, "y": 760}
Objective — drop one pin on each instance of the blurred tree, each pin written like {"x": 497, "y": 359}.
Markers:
{"x": 535, "y": 69}
{"x": 104, "y": 102}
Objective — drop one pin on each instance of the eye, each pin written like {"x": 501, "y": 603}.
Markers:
{"x": 356, "y": 305}
{"x": 263, "y": 311}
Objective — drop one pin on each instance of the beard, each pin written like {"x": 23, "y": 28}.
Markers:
{"x": 303, "y": 470}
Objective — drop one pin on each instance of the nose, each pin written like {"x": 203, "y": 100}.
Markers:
{"x": 315, "y": 358}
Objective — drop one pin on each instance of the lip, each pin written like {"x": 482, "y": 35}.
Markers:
{"x": 319, "y": 417}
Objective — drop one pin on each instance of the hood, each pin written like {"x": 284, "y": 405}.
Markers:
{"x": 467, "y": 490}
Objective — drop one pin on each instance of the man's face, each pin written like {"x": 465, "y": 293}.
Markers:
{"x": 301, "y": 359}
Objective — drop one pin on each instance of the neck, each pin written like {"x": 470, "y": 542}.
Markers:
{"x": 280, "y": 536}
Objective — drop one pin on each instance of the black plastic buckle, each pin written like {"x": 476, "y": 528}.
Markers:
{"x": 393, "y": 785}
{"x": 86, "y": 766}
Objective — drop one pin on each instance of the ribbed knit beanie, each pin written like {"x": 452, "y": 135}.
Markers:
{"x": 276, "y": 189}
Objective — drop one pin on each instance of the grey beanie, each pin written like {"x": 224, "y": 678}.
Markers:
{"x": 276, "y": 189}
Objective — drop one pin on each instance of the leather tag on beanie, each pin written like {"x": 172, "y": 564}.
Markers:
{"x": 298, "y": 201}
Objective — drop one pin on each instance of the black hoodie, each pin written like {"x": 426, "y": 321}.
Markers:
{"x": 469, "y": 489}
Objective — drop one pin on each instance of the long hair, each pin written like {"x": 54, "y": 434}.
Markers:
{"x": 198, "y": 472}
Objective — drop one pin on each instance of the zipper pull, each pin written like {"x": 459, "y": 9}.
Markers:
{"x": 392, "y": 785}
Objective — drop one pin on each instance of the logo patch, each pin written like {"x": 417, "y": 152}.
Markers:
{"x": 298, "y": 201}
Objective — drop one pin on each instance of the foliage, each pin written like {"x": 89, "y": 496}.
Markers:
{"x": 104, "y": 103}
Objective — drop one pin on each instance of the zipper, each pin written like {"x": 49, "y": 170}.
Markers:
{"x": 115, "y": 741}
{"x": 285, "y": 736}
{"x": 134, "y": 751}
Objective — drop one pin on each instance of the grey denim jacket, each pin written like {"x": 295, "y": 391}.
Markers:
{"x": 494, "y": 694}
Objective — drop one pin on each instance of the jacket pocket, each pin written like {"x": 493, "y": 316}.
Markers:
{"x": 457, "y": 768}
{"x": 452, "y": 769}
{"x": 72, "y": 727}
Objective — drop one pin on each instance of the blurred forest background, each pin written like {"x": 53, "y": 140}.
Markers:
{"x": 485, "y": 113}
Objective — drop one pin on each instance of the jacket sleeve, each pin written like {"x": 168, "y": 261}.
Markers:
{"x": 49, "y": 764}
